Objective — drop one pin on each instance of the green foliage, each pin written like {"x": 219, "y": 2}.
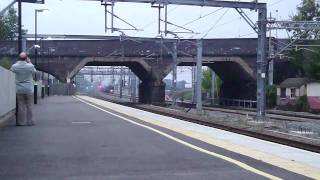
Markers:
{"x": 185, "y": 95}
{"x": 307, "y": 60}
{"x": 312, "y": 64}
{"x": 218, "y": 86}
{"x": 297, "y": 61}
{"x": 302, "y": 104}
{"x": 206, "y": 81}
{"x": 308, "y": 10}
{"x": 9, "y": 25}
{"x": 5, "y": 62}
{"x": 271, "y": 95}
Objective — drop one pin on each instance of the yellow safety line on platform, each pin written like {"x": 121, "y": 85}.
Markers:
{"x": 287, "y": 164}
{"x": 236, "y": 162}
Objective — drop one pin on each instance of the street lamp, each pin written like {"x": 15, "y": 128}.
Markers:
{"x": 36, "y": 51}
{"x": 36, "y": 32}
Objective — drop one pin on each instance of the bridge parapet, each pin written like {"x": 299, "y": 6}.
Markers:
{"x": 146, "y": 47}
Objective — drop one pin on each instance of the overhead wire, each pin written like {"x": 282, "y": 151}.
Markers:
{"x": 214, "y": 25}
{"x": 239, "y": 18}
{"x": 206, "y": 15}
{"x": 228, "y": 22}
{"x": 244, "y": 35}
{"x": 201, "y": 17}
{"x": 154, "y": 21}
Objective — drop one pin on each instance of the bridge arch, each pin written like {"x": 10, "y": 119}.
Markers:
{"x": 238, "y": 76}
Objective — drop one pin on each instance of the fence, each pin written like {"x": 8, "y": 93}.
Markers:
{"x": 7, "y": 95}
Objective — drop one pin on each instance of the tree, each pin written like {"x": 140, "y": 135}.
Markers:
{"x": 306, "y": 60}
{"x": 308, "y": 11}
{"x": 297, "y": 62}
{"x": 206, "y": 82}
{"x": 9, "y": 25}
{"x": 312, "y": 65}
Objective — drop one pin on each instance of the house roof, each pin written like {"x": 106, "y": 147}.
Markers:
{"x": 294, "y": 82}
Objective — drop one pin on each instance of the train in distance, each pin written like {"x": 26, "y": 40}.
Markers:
{"x": 106, "y": 86}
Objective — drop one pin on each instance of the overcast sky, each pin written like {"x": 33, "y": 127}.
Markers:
{"x": 83, "y": 17}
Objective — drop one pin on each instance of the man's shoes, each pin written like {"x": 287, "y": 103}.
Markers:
{"x": 27, "y": 124}
{"x": 30, "y": 124}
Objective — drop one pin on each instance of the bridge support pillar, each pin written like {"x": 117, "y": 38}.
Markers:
{"x": 152, "y": 92}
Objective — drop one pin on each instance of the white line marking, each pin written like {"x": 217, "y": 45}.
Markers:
{"x": 233, "y": 161}
{"x": 85, "y": 122}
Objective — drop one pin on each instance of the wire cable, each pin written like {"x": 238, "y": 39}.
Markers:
{"x": 201, "y": 17}
{"x": 154, "y": 21}
{"x": 239, "y": 18}
{"x": 214, "y": 25}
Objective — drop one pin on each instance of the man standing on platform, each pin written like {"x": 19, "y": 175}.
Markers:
{"x": 24, "y": 71}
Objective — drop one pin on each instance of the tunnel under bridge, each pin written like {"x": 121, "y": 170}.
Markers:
{"x": 234, "y": 60}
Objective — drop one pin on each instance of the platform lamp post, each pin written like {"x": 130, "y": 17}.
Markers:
{"x": 48, "y": 80}
{"x": 36, "y": 47}
{"x": 19, "y": 27}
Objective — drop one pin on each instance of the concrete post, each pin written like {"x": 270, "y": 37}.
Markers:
{"x": 134, "y": 88}
{"x": 271, "y": 62}
{"x": 174, "y": 74}
{"x": 121, "y": 69}
{"x": 129, "y": 82}
{"x": 199, "y": 76}
{"x": 271, "y": 70}
{"x": 24, "y": 44}
{"x": 261, "y": 63}
{"x": 193, "y": 83}
{"x": 213, "y": 86}
{"x": 271, "y": 54}
{"x": 121, "y": 81}
{"x": 19, "y": 26}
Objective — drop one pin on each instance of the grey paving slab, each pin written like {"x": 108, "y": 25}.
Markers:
{"x": 72, "y": 140}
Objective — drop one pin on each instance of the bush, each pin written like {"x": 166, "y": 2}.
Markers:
{"x": 271, "y": 96}
{"x": 185, "y": 96}
{"x": 302, "y": 104}
{"x": 5, "y": 62}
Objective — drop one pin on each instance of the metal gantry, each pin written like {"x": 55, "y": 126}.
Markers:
{"x": 304, "y": 26}
{"x": 111, "y": 3}
{"x": 103, "y": 71}
{"x": 261, "y": 30}
{"x": 294, "y": 25}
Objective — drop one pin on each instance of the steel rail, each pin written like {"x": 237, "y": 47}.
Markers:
{"x": 297, "y": 142}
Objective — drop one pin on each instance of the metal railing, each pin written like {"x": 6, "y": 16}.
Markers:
{"x": 240, "y": 103}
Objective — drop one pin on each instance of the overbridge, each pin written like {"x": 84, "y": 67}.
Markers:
{"x": 234, "y": 60}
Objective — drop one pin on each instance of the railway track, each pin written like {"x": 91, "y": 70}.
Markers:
{"x": 277, "y": 137}
{"x": 273, "y": 114}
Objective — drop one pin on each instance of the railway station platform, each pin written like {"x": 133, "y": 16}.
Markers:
{"x": 83, "y": 138}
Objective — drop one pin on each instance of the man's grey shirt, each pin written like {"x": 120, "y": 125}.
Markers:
{"x": 24, "y": 78}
